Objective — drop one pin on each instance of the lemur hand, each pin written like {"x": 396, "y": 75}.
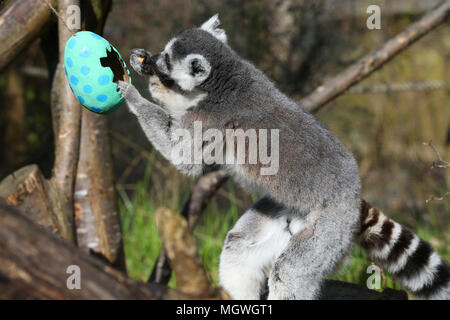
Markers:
{"x": 129, "y": 92}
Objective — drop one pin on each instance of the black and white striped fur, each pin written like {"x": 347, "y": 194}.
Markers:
{"x": 408, "y": 258}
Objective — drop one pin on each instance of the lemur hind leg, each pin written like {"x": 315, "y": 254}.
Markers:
{"x": 251, "y": 248}
{"x": 313, "y": 253}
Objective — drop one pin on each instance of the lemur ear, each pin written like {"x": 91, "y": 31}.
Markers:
{"x": 212, "y": 26}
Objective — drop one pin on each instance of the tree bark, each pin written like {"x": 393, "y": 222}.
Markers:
{"x": 67, "y": 112}
{"x": 33, "y": 265}
{"x": 203, "y": 191}
{"x": 28, "y": 191}
{"x": 371, "y": 62}
{"x": 179, "y": 245}
{"x": 96, "y": 211}
{"x": 15, "y": 132}
{"x": 20, "y": 23}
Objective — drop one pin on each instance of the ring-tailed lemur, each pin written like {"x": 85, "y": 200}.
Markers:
{"x": 311, "y": 211}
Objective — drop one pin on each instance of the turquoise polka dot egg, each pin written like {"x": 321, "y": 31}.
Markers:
{"x": 92, "y": 66}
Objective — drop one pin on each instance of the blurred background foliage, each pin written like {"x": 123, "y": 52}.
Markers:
{"x": 384, "y": 120}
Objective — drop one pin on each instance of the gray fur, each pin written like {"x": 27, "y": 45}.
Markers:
{"x": 157, "y": 125}
{"x": 316, "y": 191}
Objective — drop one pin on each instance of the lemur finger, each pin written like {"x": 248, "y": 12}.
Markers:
{"x": 123, "y": 87}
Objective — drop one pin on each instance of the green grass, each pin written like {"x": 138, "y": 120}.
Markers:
{"x": 142, "y": 243}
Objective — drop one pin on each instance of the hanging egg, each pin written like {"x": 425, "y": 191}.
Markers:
{"x": 92, "y": 66}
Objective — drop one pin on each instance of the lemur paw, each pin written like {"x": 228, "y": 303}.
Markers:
{"x": 130, "y": 94}
{"x": 123, "y": 87}
{"x": 128, "y": 91}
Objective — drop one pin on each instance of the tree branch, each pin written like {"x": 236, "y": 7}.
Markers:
{"x": 179, "y": 244}
{"x": 371, "y": 62}
{"x": 67, "y": 111}
{"x": 203, "y": 191}
{"x": 20, "y": 23}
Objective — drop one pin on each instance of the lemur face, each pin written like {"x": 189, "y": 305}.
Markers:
{"x": 176, "y": 73}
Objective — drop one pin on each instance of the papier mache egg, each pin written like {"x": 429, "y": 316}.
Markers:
{"x": 92, "y": 66}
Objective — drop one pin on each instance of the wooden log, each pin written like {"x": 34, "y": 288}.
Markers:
{"x": 179, "y": 245}
{"x": 338, "y": 290}
{"x": 27, "y": 190}
{"x": 203, "y": 191}
{"x": 21, "y": 21}
{"x": 34, "y": 262}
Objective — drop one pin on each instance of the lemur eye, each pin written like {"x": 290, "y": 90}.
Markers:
{"x": 196, "y": 67}
{"x": 167, "y": 60}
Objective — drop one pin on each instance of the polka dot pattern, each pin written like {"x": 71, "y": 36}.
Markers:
{"x": 72, "y": 42}
{"x": 87, "y": 89}
{"x": 85, "y": 70}
{"x": 90, "y": 82}
{"x": 104, "y": 79}
{"x": 96, "y": 109}
{"x": 96, "y": 36}
{"x": 69, "y": 62}
{"x": 102, "y": 97}
{"x": 74, "y": 80}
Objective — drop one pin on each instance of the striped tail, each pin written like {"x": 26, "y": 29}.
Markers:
{"x": 409, "y": 259}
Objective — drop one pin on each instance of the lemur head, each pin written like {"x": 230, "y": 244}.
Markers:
{"x": 179, "y": 74}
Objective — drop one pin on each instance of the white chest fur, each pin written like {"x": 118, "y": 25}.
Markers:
{"x": 175, "y": 103}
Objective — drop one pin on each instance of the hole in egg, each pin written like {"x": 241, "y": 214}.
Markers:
{"x": 115, "y": 63}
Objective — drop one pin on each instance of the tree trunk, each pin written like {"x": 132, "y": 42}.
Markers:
{"x": 67, "y": 112}
{"x": 15, "y": 124}
{"x": 96, "y": 211}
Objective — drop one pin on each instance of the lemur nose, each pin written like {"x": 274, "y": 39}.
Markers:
{"x": 154, "y": 58}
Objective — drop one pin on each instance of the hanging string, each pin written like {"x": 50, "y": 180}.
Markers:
{"x": 58, "y": 16}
